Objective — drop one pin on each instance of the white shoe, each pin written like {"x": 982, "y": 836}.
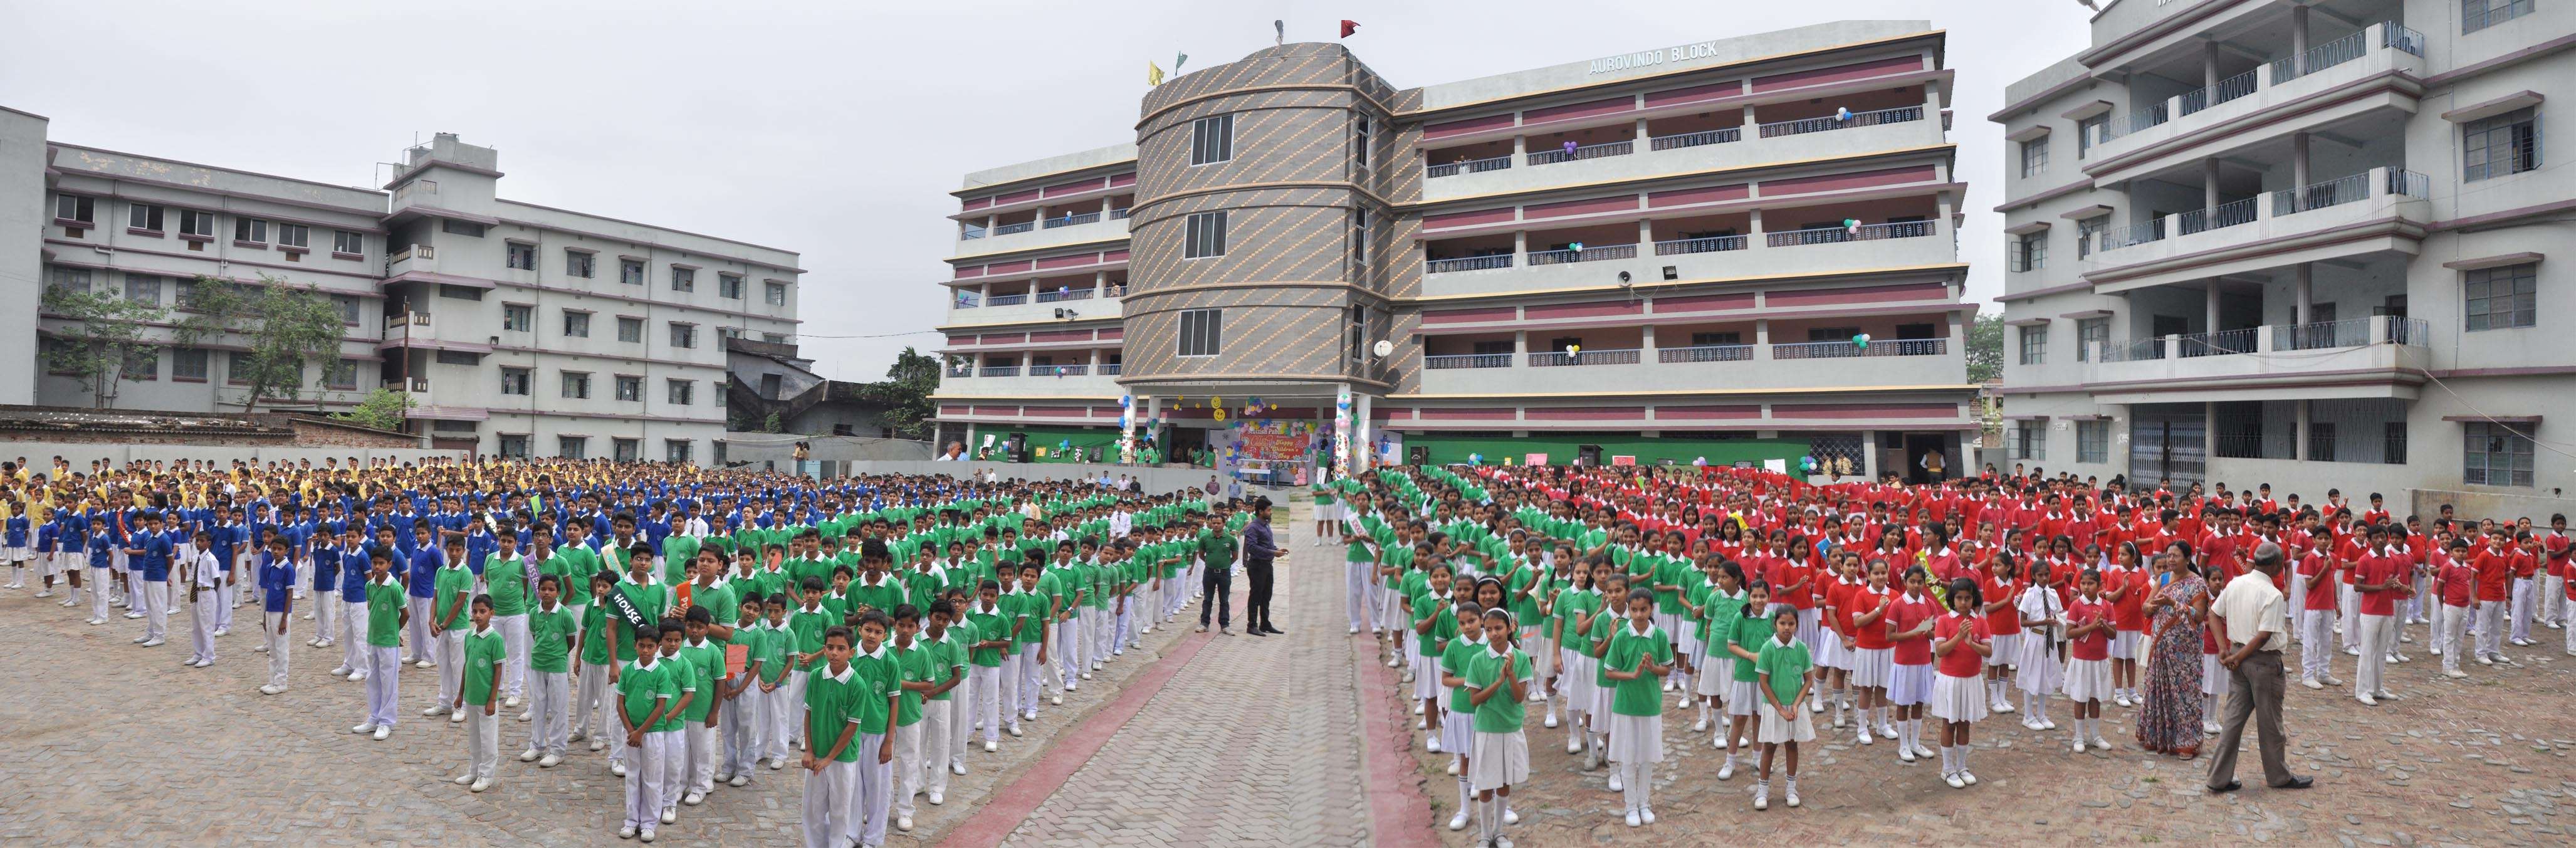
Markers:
{"x": 2048, "y": 724}
{"x": 903, "y": 823}
{"x": 259, "y": 649}
{"x": 463, "y": 779}
{"x": 1459, "y": 821}
{"x": 1999, "y": 706}
{"x": 1922, "y": 751}
{"x": 670, "y": 814}
{"x": 626, "y": 832}
{"x": 479, "y": 786}
{"x": 1615, "y": 783}
{"x": 1904, "y": 753}
{"x": 990, "y": 746}
{"x": 1633, "y": 820}
{"x": 2453, "y": 672}
{"x": 693, "y": 799}
{"x": 1015, "y": 731}
{"x": 936, "y": 797}
{"x": 1551, "y": 721}
{"x": 2486, "y": 661}
{"x": 2079, "y": 744}
{"x": 1969, "y": 776}
{"x": 1573, "y": 746}
{"x": 97, "y": 621}
{"x": 363, "y": 729}
{"x": 271, "y": 689}
{"x": 1954, "y": 781}
{"x": 424, "y": 664}
{"x": 47, "y": 593}
{"x": 550, "y": 761}
{"x": 601, "y": 745}
{"x": 956, "y": 768}
{"x": 2332, "y": 680}
{"x": 1417, "y": 710}
{"x": 1700, "y": 726}
{"x": 1453, "y": 768}
{"x": 1865, "y": 737}
{"x": 1727, "y": 770}
{"x": 1355, "y": 631}
{"x": 1885, "y": 731}
{"x": 2099, "y": 744}
{"x": 2210, "y": 727}
{"x": 2367, "y": 700}
{"x": 1646, "y": 814}
{"x": 1054, "y": 700}
{"x": 529, "y": 756}
{"x": 1432, "y": 744}
{"x": 455, "y": 716}
{"x": 618, "y": 769}
{"x": 1761, "y": 798}
{"x": 155, "y": 643}
{"x": 141, "y": 639}
{"x": 645, "y": 835}
{"x": 511, "y": 702}
{"x": 2312, "y": 683}
{"x": 220, "y": 631}
{"x": 133, "y": 615}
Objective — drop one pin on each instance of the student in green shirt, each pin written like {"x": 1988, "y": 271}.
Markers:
{"x": 451, "y": 595}
{"x": 1743, "y": 703}
{"x": 647, "y": 692}
{"x": 1783, "y": 666}
{"x": 1498, "y": 680}
{"x": 551, "y": 631}
{"x": 505, "y": 578}
{"x": 944, "y": 719}
{"x": 880, "y": 703}
{"x": 482, "y": 651}
{"x": 705, "y": 659}
{"x": 673, "y": 728}
{"x": 1633, "y": 660}
{"x": 989, "y": 651}
{"x": 598, "y": 665}
{"x": 388, "y": 612}
{"x": 738, "y": 722}
{"x": 642, "y": 590}
{"x": 921, "y": 675}
{"x": 1457, "y": 717}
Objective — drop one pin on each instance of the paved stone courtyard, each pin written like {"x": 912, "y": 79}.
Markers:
{"x": 1206, "y": 739}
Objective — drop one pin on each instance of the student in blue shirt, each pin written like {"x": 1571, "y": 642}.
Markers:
{"x": 277, "y": 601}
{"x": 221, "y": 540}
{"x": 13, "y": 547}
{"x": 102, "y": 559}
{"x": 323, "y": 562}
{"x": 42, "y": 554}
{"x": 352, "y": 556}
{"x": 426, "y": 559}
{"x": 150, "y": 555}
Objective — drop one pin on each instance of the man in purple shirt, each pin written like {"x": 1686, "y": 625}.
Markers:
{"x": 1258, "y": 551}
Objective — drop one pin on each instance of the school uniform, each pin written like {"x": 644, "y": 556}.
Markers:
{"x": 2088, "y": 657}
{"x": 324, "y": 610}
{"x": 453, "y": 587}
{"x": 152, "y": 591}
{"x": 1500, "y": 755}
{"x": 831, "y": 704}
{"x": 706, "y": 661}
{"x": 276, "y": 590}
{"x": 386, "y": 601}
{"x": 879, "y": 680}
{"x": 549, "y": 684}
{"x": 639, "y": 684}
{"x": 512, "y": 584}
{"x": 478, "y": 651}
{"x": 1955, "y": 690}
{"x": 2037, "y": 672}
{"x": 204, "y": 603}
{"x": 1787, "y": 663}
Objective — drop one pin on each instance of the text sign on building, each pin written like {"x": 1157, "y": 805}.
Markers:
{"x": 1651, "y": 58}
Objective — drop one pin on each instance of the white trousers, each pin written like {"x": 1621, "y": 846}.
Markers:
{"x": 99, "y": 585}
{"x": 985, "y": 685}
{"x": 202, "y": 616}
{"x": 514, "y": 663}
{"x": 417, "y": 646}
{"x": 271, "y": 623}
{"x": 2491, "y": 628}
{"x": 1359, "y": 593}
{"x": 870, "y": 793}
{"x": 2347, "y": 602}
{"x": 939, "y": 744}
{"x": 155, "y": 597}
{"x": 2553, "y": 598}
{"x": 2316, "y": 644}
{"x": 384, "y": 675}
{"x": 644, "y": 778}
{"x": 550, "y": 711}
{"x": 2450, "y": 624}
{"x": 1067, "y": 650}
{"x": 1031, "y": 672}
{"x": 828, "y": 802}
{"x": 449, "y": 652}
{"x": 2522, "y": 606}
{"x": 705, "y": 748}
{"x": 907, "y": 762}
{"x": 743, "y": 723}
{"x": 326, "y": 614}
{"x": 592, "y": 702}
{"x": 777, "y": 711}
{"x": 482, "y": 742}
{"x": 2378, "y": 637}
{"x": 351, "y": 634}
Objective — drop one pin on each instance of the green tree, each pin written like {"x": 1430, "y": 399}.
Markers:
{"x": 284, "y": 325}
{"x": 106, "y": 329}
{"x": 905, "y": 393}
{"x": 1986, "y": 348}
{"x": 383, "y": 410}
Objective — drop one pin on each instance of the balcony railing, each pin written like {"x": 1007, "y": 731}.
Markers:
{"x": 1053, "y": 296}
{"x": 1074, "y": 370}
{"x": 2151, "y": 115}
{"x": 1111, "y": 369}
{"x": 1007, "y": 299}
{"x": 999, "y": 371}
{"x": 1120, "y": 214}
{"x": 1467, "y": 360}
{"x": 2319, "y": 58}
{"x": 1672, "y": 142}
{"x": 1070, "y": 220}
{"x": 1803, "y": 126}
{"x": 1709, "y": 244}
{"x": 956, "y": 372}
{"x": 1468, "y": 263}
{"x": 414, "y": 319}
{"x": 1845, "y": 349}
{"x": 970, "y": 233}
{"x": 1586, "y": 254}
{"x": 2320, "y": 335}
{"x": 2139, "y": 350}
{"x": 2335, "y": 192}
{"x": 1864, "y": 232}
{"x": 1588, "y": 151}
{"x": 2223, "y": 215}
{"x": 1468, "y": 166}
{"x": 1552, "y": 359}
{"x": 2221, "y": 343}
{"x": 419, "y": 384}
{"x": 1706, "y": 353}
{"x": 2152, "y": 229}
{"x": 2226, "y": 90}
{"x": 1021, "y": 227}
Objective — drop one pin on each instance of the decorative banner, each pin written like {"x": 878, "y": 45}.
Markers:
{"x": 1535, "y": 459}
{"x": 1342, "y": 429}
{"x": 1623, "y": 460}
{"x": 1126, "y": 429}
{"x": 1361, "y": 456}
{"x": 1269, "y": 442}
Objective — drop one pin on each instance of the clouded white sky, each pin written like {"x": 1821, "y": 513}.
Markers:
{"x": 834, "y": 129}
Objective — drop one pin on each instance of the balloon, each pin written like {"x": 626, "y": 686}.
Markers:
{"x": 1574, "y": 350}
{"x": 1862, "y": 340}
{"x": 1700, "y": 461}
{"x": 1576, "y": 247}
{"x": 1842, "y": 114}
{"x": 1220, "y": 414}
{"x": 1064, "y": 444}
{"x": 1851, "y": 225}
{"x": 1475, "y": 459}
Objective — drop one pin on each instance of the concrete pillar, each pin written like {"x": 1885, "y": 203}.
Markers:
{"x": 2299, "y": 154}
{"x": 1869, "y": 454}
{"x": 1520, "y": 247}
{"x": 1363, "y": 445}
{"x": 2299, "y": 439}
{"x": 1932, "y": 100}
{"x": 991, "y": 221}
{"x": 1520, "y": 344}
{"x": 1646, "y": 343}
{"x": 1520, "y": 146}
{"x": 1042, "y": 216}
{"x": 2209, "y": 442}
{"x": 1753, "y": 228}
{"x": 970, "y": 441}
{"x": 1641, "y": 136}
{"x": 2208, "y": 186}
{"x": 1752, "y": 122}
{"x": 1104, "y": 208}
{"x": 2304, "y": 288}
{"x": 2298, "y": 30}
{"x": 2209, "y": 63}
{"x": 1099, "y": 284}
{"x": 1646, "y": 237}
{"x": 2212, "y": 297}
{"x": 1761, "y": 338}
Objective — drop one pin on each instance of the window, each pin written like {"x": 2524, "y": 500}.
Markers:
{"x": 1200, "y": 331}
{"x": 143, "y": 288}
{"x": 2502, "y": 298}
{"x": 2034, "y": 157}
{"x": 683, "y": 279}
{"x": 2091, "y": 333}
{"x": 1696, "y": 340}
{"x": 514, "y": 446}
{"x": 141, "y": 364}
{"x": 2479, "y": 14}
{"x": 576, "y": 384}
{"x": 2029, "y": 440}
{"x": 294, "y": 235}
{"x": 675, "y": 450}
{"x": 1211, "y": 139}
{"x": 514, "y": 381}
{"x": 2497, "y": 455}
{"x": 520, "y": 256}
{"x": 518, "y": 317}
{"x": 774, "y": 338}
{"x": 729, "y": 286}
{"x": 458, "y": 357}
{"x": 457, "y": 292}
{"x": 340, "y": 374}
{"x": 349, "y": 309}
{"x": 250, "y": 230}
{"x": 75, "y": 208}
{"x": 2034, "y": 344}
{"x": 716, "y": 392}
{"x": 237, "y": 369}
{"x": 452, "y": 426}
{"x": 1359, "y": 242}
{"x": 625, "y": 450}
{"x": 2030, "y": 251}
{"x": 2501, "y": 145}
{"x": 576, "y": 324}
{"x": 2392, "y": 437}
{"x": 2321, "y": 441}
{"x": 681, "y": 392}
{"x": 345, "y": 241}
{"x": 2085, "y": 230}
{"x": 1206, "y": 236}
{"x": 2092, "y": 441}
{"x": 572, "y": 447}
{"x": 143, "y": 216}
{"x": 728, "y": 333}
{"x": 630, "y": 272}
{"x": 1360, "y": 142}
{"x": 1816, "y": 334}
{"x": 2090, "y": 130}
{"x": 630, "y": 330}
{"x": 188, "y": 364}
{"x": 71, "y": 279}
{"x": 196, "y": 224}
{"x": 684, "y": 335}
{"x": 452, "y": 226}
{"x": 774, "y": 293}
{"x": 579, "y": 264}
{"x": 630, "y": 388}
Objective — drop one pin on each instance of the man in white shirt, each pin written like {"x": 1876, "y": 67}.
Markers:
{"x": 2252, "y": 615}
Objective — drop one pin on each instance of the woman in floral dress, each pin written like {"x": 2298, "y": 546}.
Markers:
{"x": 2169, "y": 722}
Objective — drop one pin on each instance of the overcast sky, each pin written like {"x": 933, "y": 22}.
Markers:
{"x": 832, "y": 129}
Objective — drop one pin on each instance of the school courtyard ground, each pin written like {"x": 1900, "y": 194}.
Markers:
{"x": 1202, "y": 739}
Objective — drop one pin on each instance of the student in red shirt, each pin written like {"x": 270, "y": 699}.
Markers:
{"x": 2455, "y": 586}
{"x": 2316, "y": 600}
{"x": 2494, "y": 565}
{"x": 1999, "y": 586}
{"x": 2526, "y": 568}
{"x": 1865, "y": 625}
{"x": 1910, "y": 679}
{"x": 2553, "y": 595}
{"x": 2383, "y": 580}
{"x": 2088, "y": 664}
{"x": 1961, "y": 642}
{"x": 2128, "y": 585}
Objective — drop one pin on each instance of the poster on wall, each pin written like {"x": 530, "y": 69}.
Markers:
{"x": 1776, "y": 466}
{"x": 1272, "y": 441}
{"x": 1623, "y": 460}
{"x": 1535, "y": 459}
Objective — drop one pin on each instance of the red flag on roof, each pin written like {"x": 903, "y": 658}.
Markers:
{"x": 1349, "y": 27}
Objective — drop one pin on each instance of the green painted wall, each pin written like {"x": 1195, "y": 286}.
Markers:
{"x": 1560, "y": 450}
{"x": 1096, "y": 442}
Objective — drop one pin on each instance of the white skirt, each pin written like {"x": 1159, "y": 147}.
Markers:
{"x": 1743, "y": 697}
{"x": 2087, "y": 680}
{"x": 2006, "y": 650}
{"x": 1579, "y": 671}
{"x": 2039, "y": 673}
{"x": 1426, "y": 678}
{"x": 1809, "y": 631}
{"x": 1689, "y": 647}
{"x": 1796, "y": 728}
{"x": 1457, "y": 731}
{"x": 1908, "y": 685}
{"x": 2124, "y": 643}
{"x": 1830, "y": 653}
{"x": 1957, "y": 699}
{"x": 1497, "y": 760}
{"x": 14, "y": 554}
{"x": 1715, "y": 675}
{"x": 1872, "y": 666}
{"x": 1636, "y": 739}
{"x": 1328, "y": 512}
{"x": 2213, "y": 677}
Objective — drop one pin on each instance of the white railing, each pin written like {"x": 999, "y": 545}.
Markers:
{"x": 1720, "y": 136}
{"x": 1585, "y": 254}
{"x": 970, "y": 233}
{"x": 1588, "y": 151}
{"x": 1554, "y": 359}
{"x": 1021, "y": 227}
{"x": 1075, "y": 370}
{"x": 1111, "y": 369}
{"x": 1706, "y": 353}
{"x": 1467, "y": 166}
{"x": 1846, "y": 350}
{"x": 1070, "y": 220}
{"x": 1052, "y": 296}
{"x": 1467, "y": 360}
{"x": 1707, "y": 244}
{"x": 2152, "y": 229}
{"x": 1120, "y": 214}
{"x": 999, "y": 371}
{"x": 2335, "y": 192}
{"x": 1468, "y": 263}
{"x": 1864, "y": 232}
{"x": 1803, "y": 126}
{"x": 2409, "y": 183}
{"x": 1006, "y": 300}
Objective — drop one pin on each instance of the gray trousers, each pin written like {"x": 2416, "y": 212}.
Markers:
{"x": 2254, "y": 691}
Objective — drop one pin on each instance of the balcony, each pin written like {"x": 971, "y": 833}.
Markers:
{"x": 1709, "y": 246}
{"x": 1677, "y": 142}
{"x": 2275, "y": 362}
{"x": 418, "y": 258}
{"x": 1111, "y": 369}
{"x": 1852, "y": 350}
{"x": 1009, "y": 229}
{"x": 2232, "y": 236}
{"x": 1837, "y": 235}
{"x": 1578, "y": 152}
{"x": 1583, "y": 254}
{"x": 1468, "y": 360}
{"x": 1095, "y": 225}
{"x": 1786, "y": 367}
{"x": 1562, "y": 359}
{"x": 1060, "y": 295}
{"x": 1070, "y": 220}
{"x": 2247, "y": 97}
{"x": 407, "y": 319}
{"x": 1676, "y": 145}
{"x": 1469, "y": 166}
{"x": 998, "y": 371}
{"x": 1844, "y": 121}
{"x": 1468, "y": 263}
{"x": 1706, "y": 353}
{"x": 1071, "y": 379}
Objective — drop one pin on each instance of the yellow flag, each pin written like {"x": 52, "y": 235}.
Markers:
{"x": 1153, "y": 74}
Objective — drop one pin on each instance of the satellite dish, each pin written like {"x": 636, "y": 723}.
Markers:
{"x": 1382, "y": 348}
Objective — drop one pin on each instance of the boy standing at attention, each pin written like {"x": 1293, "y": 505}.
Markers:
{"x": 879, "y": 693}
{"x": 481, "y": 657}
{"x": 388, "y": 611}
{"x": 831, "y": 767}
{"x": 276, "y": 599}
{"x": 451, "y": 594}
{"x": 706, "y": 661}
{"x": 644, "y": 694}
{"x": 550, "y": 635}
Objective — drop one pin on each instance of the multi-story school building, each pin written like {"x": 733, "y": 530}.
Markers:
{"x": 1662, "y": 255}
{"x": 517, "y": 329}
{"x": 2302, "y": 244}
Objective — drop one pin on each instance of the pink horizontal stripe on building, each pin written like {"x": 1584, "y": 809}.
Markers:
{"x": 1467, "y": 219}
{"x": 1069, "y": 261}
{"x": 1388, "y": 413}
{"x": 1585, "y": 413}
{"x": 1464, "y": 316}
{"x": 1586, "y": 109}
{"x": 1053, "y": 411}
{"x": 1112, "y": 334}
{"x": 1690, "y": 196}
{"x": 1114, "y": 256}
{"x": 1008, "y": 267}
{"x": 1592, "y": 309}
{"x": 997, "y": 410}
{"x": 1076, "y": 187}
{"x": 1861, "y": 70}
{"x": 955, "y": 409}
{"x": 1858, "y": 294}
{"x": 1446, "y": 129}
{"x": 1122, "y": 180}
{"x": 1469, "y": 414}
{"x": 1104, "y": 412}
{"x": 1727, "y": 412}
{"x": 1004, "y": 338}
{"x": 965, "y": 271}
{"x": 1865, "y": 410}
{"x": 1693, "y": 94}
{"x": 1588, "y": 206}
{"x": 978, "y": 203}
{"x": 1845, "y": 181}
{"x": 960, "y": 340}
{"x": 1016, "y": 197}
{"x": 1704, "y": 303}
{"x": 1060, "y": 336}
